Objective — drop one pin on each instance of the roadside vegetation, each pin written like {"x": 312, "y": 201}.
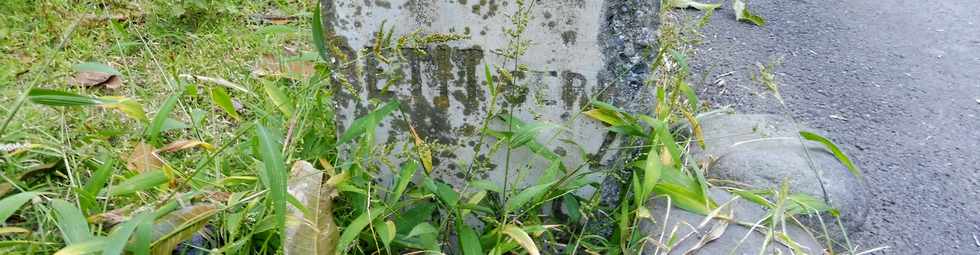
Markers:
{"x": 190, "y": 127}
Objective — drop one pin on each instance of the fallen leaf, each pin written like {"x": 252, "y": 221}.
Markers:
{"x": 274, "y": 19}
{"x": 92, "y": 74}
{"x": 111, "y": 218}
{"x": 292, "y": 66}
{"x": 274, "y": 16}
{"x": 180, "y": 225}
{"x": 5, "y": 188}
{"x": 113, "y": 17}
{"x": 96, "y": 79}
{"x": 316, "y": 233}
{"x": 185, "y": 144}
{"x": 144, "y": 158}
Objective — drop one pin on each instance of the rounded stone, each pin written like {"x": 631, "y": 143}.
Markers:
{"x": 676, "y": 231}
{"x": 763, "y": 151}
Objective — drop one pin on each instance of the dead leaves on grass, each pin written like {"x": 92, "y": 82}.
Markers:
{"x": 96, "y": 75}
{"x": 291, "y": 64}
{"x": 316, "y": 232}
{"x": 145, "y": 158}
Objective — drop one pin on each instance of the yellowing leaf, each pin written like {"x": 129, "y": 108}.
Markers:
{"x": 521, "y": 237}
{"x": 425, "y": 153}
{"x": 180, "y": 225}
{"x": 128, "y": 106}
{"x": 144, "y": 158}
{"x": 606, "y": 116}
{"x": 742, "y": 14}
{"x": 695, "y": 128}
{"x": 13, "y": 230}
{"x": 317, "y": 233}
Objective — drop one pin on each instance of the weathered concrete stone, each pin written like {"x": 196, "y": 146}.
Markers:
{"x": 443, "y": 88}
{"x": 687, "y": 231}
{"x": 762, "y": 151}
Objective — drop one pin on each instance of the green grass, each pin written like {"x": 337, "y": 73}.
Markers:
{"x": 156, "y": 43}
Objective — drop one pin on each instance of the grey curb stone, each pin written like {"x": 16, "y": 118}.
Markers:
{"x": 681, "y": 224}
{"x": 762, "y": 151}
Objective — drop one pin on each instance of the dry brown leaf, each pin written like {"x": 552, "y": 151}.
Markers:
{"x": 97, "y": 79}
{"x": 269, "y": 65}
{"x": 144, "y": 158}
{"x": 316, "y": 233}
{"x": 111, "y": 218}
{"x": 183, "y": 145}
{"x": 178, "y": 226}
{"x": 4, "y": 188}
{"x": 666, "y": 158}
{"x": 275, "y": 17}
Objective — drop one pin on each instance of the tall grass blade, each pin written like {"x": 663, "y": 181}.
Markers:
{"x": 10, "y": 204}
{"x": 59, "y": 98}
{"x": 160, "y": 119}
{"x": 70, "y": 220}
{"x": 118, "y": 239}
{"x": 270, "y": 151}
{"x": 355, "y": 227}
{"x": 368, "y": 122}
{"x": 527, "y": 195}
{"x": 139, "y": 183}
{"x": 404, "y": 178}
{"x": 468, "y": 239}
{"x": 100, "y": 177}
{"x": 833, "y": 148}
{"x": 92, "y": 246}
{"x": 318, "y": 39}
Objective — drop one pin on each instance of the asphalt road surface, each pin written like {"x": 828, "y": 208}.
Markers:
{"x": 897, "y": 83}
